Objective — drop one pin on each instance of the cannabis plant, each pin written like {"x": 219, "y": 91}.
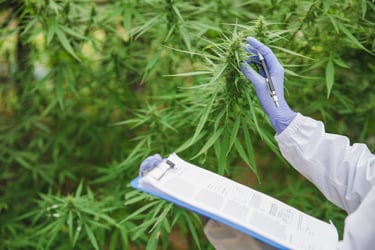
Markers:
{"x": 91, "y": 88}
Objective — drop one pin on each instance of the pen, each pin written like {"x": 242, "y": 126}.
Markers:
{"x": 269, "y": 82}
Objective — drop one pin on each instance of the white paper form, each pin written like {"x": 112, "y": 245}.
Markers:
{"x": 242, "y": 205}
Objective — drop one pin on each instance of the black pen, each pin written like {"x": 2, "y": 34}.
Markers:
{"x": 270, "y": 85}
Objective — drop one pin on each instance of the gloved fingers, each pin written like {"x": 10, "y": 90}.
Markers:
{"x": 255, "y": 60}
{"x": 254, "y": 45}
{"x": 249, "y": 48}
{"x": 256, "y": 79}
{"x": 149, "y": 163}
{"x": 253, "y": 57}
{"x": 270, "y": 58}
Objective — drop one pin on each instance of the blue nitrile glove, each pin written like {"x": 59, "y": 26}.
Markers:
{"x": 281, "y": 116}
{"x": 149, "y": 163}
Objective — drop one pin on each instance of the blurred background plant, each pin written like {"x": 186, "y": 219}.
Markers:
{"x": 91, "y": 88}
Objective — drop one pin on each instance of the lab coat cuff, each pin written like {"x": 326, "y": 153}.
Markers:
{"x": 292, "y": 128}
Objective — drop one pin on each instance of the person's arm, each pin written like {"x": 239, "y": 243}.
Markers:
{"x": 344, "y": 173}
{"x": 359, "y": 227}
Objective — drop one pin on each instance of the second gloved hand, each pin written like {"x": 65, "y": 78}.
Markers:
{"x": 149, "y": 163}
{"x": 281, "y": 116}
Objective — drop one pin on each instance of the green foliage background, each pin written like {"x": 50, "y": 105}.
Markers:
{"x": 91, "y": 88}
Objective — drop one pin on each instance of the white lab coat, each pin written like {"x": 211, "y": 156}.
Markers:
{"x": 344, "y": 173}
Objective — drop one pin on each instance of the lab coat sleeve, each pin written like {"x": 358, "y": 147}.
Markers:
{"x": 344, "y": 173}
{"x": 359, "y": 227}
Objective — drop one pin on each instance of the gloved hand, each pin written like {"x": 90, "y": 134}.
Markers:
{"x": 149, "y": 163}
{"x": 281, "y": 116}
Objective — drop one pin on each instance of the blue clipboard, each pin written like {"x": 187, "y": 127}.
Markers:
{"x": 135, "y": 183}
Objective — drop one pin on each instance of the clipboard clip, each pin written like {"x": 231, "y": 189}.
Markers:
{"x": 170, "y": 166}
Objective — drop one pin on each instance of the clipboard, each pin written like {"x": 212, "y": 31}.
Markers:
{"x": 153, "y": 182}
